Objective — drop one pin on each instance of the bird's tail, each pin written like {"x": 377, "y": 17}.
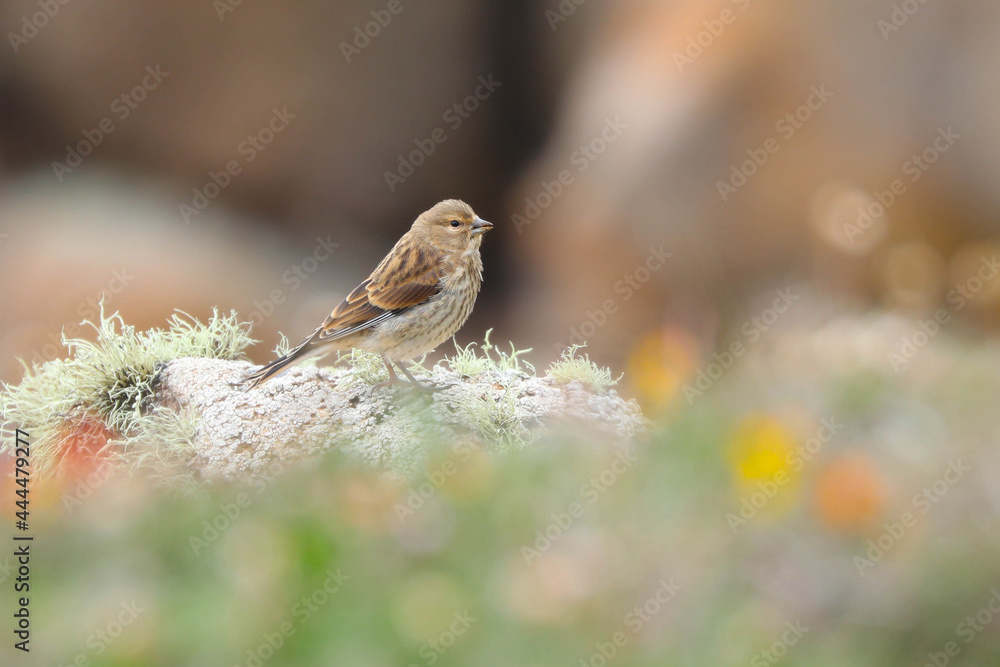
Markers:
{"x": 270, "y": 370}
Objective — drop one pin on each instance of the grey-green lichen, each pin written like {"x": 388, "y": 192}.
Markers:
{"x": 109, "y": 382}
{"x": 574, "y": 367}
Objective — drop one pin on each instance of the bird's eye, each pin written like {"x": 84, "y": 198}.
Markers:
{"x": 456, "y": 224}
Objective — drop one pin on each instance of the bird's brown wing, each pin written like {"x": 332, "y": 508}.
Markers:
{"x": 408, "y": 276}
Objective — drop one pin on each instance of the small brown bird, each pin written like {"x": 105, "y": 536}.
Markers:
{"x": 417, "y": 297}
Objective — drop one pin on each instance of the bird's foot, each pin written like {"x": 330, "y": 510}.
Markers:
{"x": 428, "y": 387}
{"x": 413, "y": 385}
{"x": 384, "y": 384}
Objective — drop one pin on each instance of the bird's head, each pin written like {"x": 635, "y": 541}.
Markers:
{"x": 452, "y": 225}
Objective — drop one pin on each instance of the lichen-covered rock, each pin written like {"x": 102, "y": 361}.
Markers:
{"x": 242, "y": 432}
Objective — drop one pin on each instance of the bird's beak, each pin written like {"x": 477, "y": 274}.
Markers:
{"x": 480, "y": 226}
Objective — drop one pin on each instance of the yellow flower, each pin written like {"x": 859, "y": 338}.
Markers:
{"x": 761, "y": 449}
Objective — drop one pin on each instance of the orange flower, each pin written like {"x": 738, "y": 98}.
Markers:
{"x": 660, "y": 364}
{"x": 850, "y": 493}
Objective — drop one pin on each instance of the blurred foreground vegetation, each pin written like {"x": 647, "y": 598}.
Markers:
{"x": 835, "y": 513}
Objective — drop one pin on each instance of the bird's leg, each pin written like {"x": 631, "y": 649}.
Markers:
{"x": 393, "y": 378}
{"x": 408, "y": 374}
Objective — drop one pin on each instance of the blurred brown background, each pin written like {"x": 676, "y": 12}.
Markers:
{"x": 745, "y": 139}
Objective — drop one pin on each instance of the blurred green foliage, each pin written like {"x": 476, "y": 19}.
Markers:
{"x": 533, "y": 557}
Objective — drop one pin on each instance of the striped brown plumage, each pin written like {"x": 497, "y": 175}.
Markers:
{"x": 419, "y": 296}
